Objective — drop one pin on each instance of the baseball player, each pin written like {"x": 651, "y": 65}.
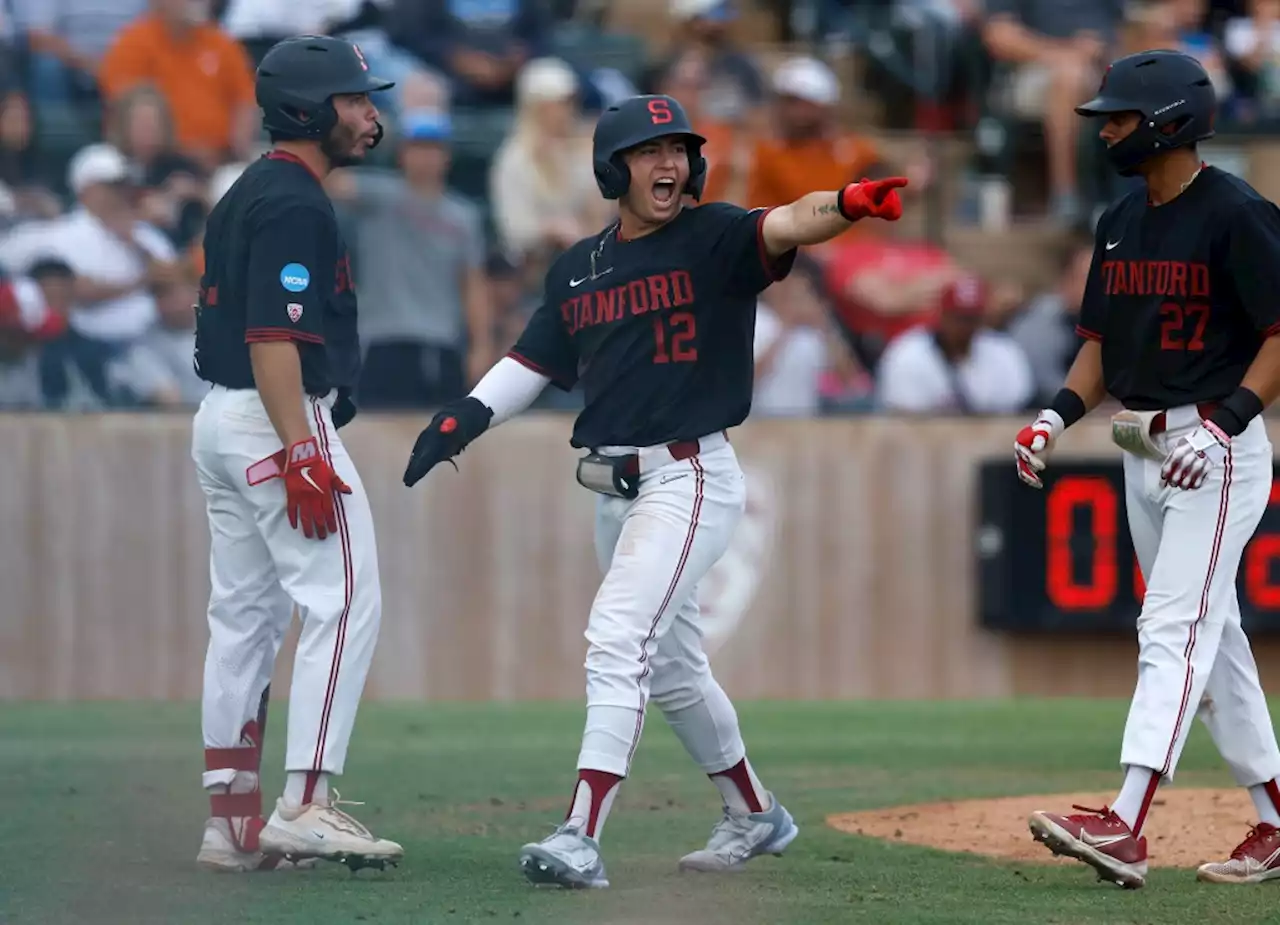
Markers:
{"x": 289, "y": 520}
{"x": 1179, "y": 319}
{"x": 656, "y": 316}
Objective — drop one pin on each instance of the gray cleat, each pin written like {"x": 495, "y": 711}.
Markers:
{"x": 566, "y": 858}
{"x": 739, "y": 837}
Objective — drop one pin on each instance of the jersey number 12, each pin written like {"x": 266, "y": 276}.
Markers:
{"x": 675, "y": 331}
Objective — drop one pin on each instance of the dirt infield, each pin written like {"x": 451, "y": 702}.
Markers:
{"x": 1186, "y": 827}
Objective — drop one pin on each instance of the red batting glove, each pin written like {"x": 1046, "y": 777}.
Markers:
{"x": 1033, "y": 444}
{"x": 310, "y": 485}
{"x": 872, "y": 199}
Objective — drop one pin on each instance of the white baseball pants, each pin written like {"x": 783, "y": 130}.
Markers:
{"x": 260, "y": 568}
{"x": 643, "y": 633}
{"x": 1193, "y": 655}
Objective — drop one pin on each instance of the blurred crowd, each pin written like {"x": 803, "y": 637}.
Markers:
{"x": 122, "y": 122}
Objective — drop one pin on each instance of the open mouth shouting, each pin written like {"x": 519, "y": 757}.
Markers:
{"x": 664, "y": 193}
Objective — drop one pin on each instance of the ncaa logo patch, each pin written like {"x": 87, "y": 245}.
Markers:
{"x": 295, "y": 277}
{"x": 294, "y": 310}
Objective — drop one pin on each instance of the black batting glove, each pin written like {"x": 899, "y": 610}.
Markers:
{"x": 344, "y": 409}
{"x": 448, "y": 434}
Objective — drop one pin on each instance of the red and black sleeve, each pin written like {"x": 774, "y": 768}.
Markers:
{"x": 292, "y": 272}
{"x": 738, "y": 254}
{"x": 546, "y": 348}
{"x": 1092, "y": 320}
{"x": 1253, "y": 262}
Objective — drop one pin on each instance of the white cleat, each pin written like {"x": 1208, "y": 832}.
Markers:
{"x": 321, "y": 830}
{"x": 739, "y": 837}
{"x": 219, "y": 851}
{"x": 566, "y": 858}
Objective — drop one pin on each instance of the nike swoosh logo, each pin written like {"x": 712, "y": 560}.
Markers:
{"x": 1113, "y": 244}
{"x": 307, "y": 477}
{"x": 1101, "y": 841}
{"x": 672, "y": 478}
{"x": 575, "y": 283}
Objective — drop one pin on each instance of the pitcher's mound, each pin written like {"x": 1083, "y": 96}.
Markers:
{"x": 1185, "y": 828}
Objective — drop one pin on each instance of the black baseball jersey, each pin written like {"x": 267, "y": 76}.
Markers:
{"x": 1182, "y": 295}
{"x": 660, "y": 329}
{"x": 276, "y": 268}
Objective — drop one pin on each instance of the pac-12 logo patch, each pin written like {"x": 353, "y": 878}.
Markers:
{"x": 294, "y": 310}
{"x": 295, "y": 277}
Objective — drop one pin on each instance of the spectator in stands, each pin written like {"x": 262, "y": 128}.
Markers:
{"x": 881, "y": 287}
{"x": 67, "y": 40}
{"x": 425, "y": 316}
{"x": 203, "y": 73}
{"x": 790, "y": 350}
{"x": 33, "y": 312}
{"x": 481, "y": 47}
{"x": 24, "y": 179}
{"x": 259, "y": 24}
{"x": 542, "y": 186}
{"x": 119, "y": 262}
{"x": 955, "y": 366}
{"x": 733, "y": 90}
{"x": 1046, "y": 328}
{"x": 727, "y": 150}
{"x": 808, "y": 151}
{"x": 172, "y": 187}
{"x": 1252, "y": 45}
{"x": 160, "y": 364}
{"x": 1057, "y": 50}
{"x": 1180, "y": 25}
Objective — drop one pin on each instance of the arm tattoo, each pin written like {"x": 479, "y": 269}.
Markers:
{"x": 831, "y": 209}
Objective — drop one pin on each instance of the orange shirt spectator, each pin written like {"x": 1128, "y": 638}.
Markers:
{"x": 808, "y": 152}
{"x": 784, "y": 170}
{"x": 203, "y": 73}
{"x": 723, "y": 182}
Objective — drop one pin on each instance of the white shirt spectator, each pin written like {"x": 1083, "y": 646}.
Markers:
{"x": 914, "y": 375}
{"x": 250, "y": 19}
{"x": 93, "y": 252}
{"x": 789, "y": 386}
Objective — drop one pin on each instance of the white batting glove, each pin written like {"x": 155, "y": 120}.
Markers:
{"x": 1034, "y": 442}
{"x": 1189, "y": 462}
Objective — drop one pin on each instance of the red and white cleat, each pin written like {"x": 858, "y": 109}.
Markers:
{"x": 1098, "y": 837}
{"x": 1255, "y": 859}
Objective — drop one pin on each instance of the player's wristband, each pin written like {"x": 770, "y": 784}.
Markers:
{"x": 1069, "y": 405}
{"x": 1236, "y": 411}
{"x": 840, "y": 204}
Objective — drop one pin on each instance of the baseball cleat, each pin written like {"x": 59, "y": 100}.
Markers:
{"x": 1255, "y": 859}
{"x": 565, "y": 858}
{"x": 1098, "y": 837}
{"x": 321, "y": 830}
{"x": 739, "y": 837}
{"x": 219, "y": 852}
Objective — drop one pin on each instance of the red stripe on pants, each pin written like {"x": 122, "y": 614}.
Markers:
{"x": 1203, "y": 611}
{"x": 348, "y": 574}
{"x": 666, "y": 601}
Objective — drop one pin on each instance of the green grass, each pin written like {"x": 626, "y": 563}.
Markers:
{"x": 101, "y": 810}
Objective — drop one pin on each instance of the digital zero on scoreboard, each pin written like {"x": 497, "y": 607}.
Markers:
{"x": 1060, "y": 560}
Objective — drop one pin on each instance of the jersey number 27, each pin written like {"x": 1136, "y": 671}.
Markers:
{"x": 673, "y": 335}
{"x": 1182, "y": 327}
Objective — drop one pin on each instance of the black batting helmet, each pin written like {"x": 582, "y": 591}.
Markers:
{"x": 1173, "y": 94}
{"x": 299, "y": 77}
{"x": 633, "y": 122}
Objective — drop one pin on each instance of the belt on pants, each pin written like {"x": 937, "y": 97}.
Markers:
{"x": 640, "y": 459}
{"x": 1159, "y": 423}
